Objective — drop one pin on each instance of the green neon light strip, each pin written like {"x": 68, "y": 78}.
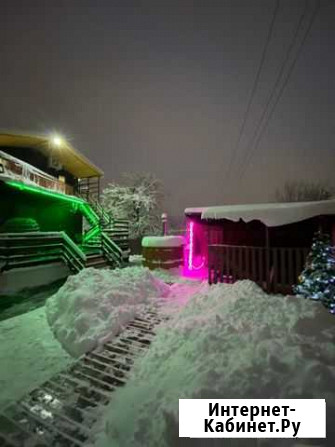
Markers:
{"x": 44, "y": 192}
{"x": 91, "y": 233}
{"x": 85, "y": 207}
{"x": 92, "y": 217}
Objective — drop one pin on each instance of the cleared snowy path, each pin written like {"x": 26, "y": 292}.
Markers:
{"x": 64, "y": 397}
{"x": 60, "y": 412}
{"x": 29, "y": 354}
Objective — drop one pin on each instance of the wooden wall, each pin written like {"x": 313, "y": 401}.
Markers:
{"x": 254, "y": 233}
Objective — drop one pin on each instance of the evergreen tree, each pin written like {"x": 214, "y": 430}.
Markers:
{"x": 317, "y": 280}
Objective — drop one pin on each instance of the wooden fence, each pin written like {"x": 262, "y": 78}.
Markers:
{"x": 274, "y": 269}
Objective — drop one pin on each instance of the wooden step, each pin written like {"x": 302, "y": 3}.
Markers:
{"x": 96, "y": 261}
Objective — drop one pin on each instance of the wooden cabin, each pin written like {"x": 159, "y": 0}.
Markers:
{"x": 51, "y": 218}
{"x": 267, "y": 243}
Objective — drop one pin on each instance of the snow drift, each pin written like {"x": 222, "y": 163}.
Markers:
{"x": 93, "y": 306}
{"x": 228, "y": 341}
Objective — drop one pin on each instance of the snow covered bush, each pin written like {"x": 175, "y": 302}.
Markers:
{"x": 229, "y": 341}
{"x": 138, "y": 199}
{"x": 93, "y": 306}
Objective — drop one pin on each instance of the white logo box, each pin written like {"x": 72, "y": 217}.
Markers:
{"x": 238, "y": 418}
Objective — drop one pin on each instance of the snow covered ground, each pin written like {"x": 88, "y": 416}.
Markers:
{"x": 26, "y": 300}
{"x": 228, "y": 341}
{"x": 89, "y": 308}
{"x": 29, "y": 354}
{"x": 174, "y": 275}
{"x": 222, "y": 341}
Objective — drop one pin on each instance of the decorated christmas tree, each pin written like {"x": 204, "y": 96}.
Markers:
{"x": 317, "y": 280}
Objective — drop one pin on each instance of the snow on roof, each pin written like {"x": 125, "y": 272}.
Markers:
{"x": 198, "y": 210}
{"x": 162, "y": 241}
{"x": 271, "y": 214}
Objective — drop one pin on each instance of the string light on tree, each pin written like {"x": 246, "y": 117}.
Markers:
{"x": 317, "y": 280}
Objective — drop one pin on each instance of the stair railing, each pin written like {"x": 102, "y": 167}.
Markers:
{"x": 73, "y": 256}
{"x": 104, "y": 218}
{"x": 111, "y": 250}
{"x": 110, "y": 228}
{"x": 91, "y": 233}
{"x": 36, "y": 248}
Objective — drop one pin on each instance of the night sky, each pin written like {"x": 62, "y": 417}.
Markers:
{"x": 163, "y": 87}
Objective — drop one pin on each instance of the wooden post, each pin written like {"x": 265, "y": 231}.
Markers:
{"x": 209, "y": 261}
{"x": 267, "y": 259}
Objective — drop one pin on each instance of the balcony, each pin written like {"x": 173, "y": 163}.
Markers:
{"x": 12, "y": 168}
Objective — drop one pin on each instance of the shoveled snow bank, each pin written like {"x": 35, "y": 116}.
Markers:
{"x": 29, "y": 355}
{"x": 229, "y": 341}
{"x": 163, "y": 241}
{"x": 93, "y": 306}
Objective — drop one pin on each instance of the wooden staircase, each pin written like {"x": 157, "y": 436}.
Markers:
{"x": 108, "y": 234}
{"x": 94, "y": 257}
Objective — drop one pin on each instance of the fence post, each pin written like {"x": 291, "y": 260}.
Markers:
{"x": 209, "y": 264}
{"x": 267, "y": 260}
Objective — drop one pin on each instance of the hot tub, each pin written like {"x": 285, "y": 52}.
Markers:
{"x": 164, "y": 252}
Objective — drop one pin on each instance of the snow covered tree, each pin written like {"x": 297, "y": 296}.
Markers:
{"x": 138, "y": 198}
{"x": 317, "y": 280}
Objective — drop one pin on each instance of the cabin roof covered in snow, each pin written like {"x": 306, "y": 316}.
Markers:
{"x": 271, "y": 214}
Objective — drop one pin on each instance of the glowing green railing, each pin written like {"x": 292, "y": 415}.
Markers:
{"x": 111, "y": 251}
{"x": 36, "y": 248}
{"x": 97, "y": 217}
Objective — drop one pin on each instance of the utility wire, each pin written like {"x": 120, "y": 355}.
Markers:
{"x": 254, "y": 88}
{"x": 279, "y": 77}
{"x": 254, "y": 147}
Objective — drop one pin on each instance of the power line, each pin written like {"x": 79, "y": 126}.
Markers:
{"x": 279, "y": 76}
{"x": 254, "y": 88}
{"x": 254, "y": 147}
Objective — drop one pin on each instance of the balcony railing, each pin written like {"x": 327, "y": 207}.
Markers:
{"x": 15, "y": 169}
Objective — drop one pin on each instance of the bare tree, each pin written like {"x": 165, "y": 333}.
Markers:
{"x": 301, "y": 191}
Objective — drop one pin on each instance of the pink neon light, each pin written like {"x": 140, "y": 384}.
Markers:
{"x": 202, "y": 263}
{"x": 190, "y": 253}
{"x": 194, "y": 262}
{"x": 191, "y": 257}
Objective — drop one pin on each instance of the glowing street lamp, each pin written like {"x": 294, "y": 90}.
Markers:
{"x": 57, "y": 141}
